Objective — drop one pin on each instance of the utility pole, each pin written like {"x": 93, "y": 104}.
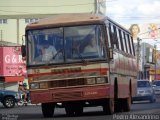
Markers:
{"x": 143, "y": 60}
{"x": 101, "y": 7}
{"x": 138, "y": 57}
{"x": 155, "y": 65}
{"x": 1, "y": 35}
{"x": 97, "y": 7}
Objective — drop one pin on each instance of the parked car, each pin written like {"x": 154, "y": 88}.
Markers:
{"x": 156, "y": 86}
{"x": 144, "y": 91}
{"x": 8, "y": 98}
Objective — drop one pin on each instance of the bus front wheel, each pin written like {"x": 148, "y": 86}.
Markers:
{"x": 74, "y": 108}
{"x": 48, "y": 109}
{"x": 108, "y": 106}
{"x": 69, "y": 110}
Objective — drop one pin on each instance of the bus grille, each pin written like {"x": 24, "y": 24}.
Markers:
{"x": 65, "y": 83}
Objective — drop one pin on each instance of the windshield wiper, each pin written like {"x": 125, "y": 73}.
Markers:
{"x": 49, "y": 61}
{"x": 79, "y": 55}
{"x": 59, "y": 51}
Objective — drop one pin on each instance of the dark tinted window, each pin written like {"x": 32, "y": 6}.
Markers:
{"x": 111, "y": 35}
{"x": 125, "y": 41}
{"x": 129, "y": 43}
{"x": 116, "y": 36}
{"x": 120, "y": 35}
{"x": 143, "y": 84}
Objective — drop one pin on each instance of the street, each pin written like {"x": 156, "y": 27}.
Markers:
{"x": 33, "y": 112}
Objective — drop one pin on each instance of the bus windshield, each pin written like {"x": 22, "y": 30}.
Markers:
{"x": 66, "y": 44}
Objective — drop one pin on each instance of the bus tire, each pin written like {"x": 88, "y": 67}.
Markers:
{"x": 118, "y": 105}
{"x": 48, "y": 109}
{"x": 69, "y": 110}
{"x": 127, "y": 104}
{"x": 74, "y": 108}
{"x": 108, "y": 106}
{"x": 78, "y": 110}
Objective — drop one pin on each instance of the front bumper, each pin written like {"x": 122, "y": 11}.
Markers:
{"x": 157, "y": 91}
{"x": 141, "y": 98}
{"x": 70, "y": 94}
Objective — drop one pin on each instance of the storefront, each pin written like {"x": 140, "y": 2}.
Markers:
{"x": 12, "y": 67}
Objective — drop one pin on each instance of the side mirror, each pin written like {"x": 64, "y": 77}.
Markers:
{"x": 23, "y": 47}
{"x": 110, "y": 53}
{"x": 23, "y": 50}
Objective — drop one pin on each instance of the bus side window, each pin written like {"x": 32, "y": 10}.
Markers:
{"x": 121, "y": 41}
{"x": 129, "y": 43}
{"x": 110, "y": 35}
{"x": 125, "y": 41}
{"x": 115, "y": 37}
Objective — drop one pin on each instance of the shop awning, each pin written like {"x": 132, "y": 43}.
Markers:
{"x": 12, "y": 78}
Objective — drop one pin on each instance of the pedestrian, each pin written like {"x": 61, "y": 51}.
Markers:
{"x": 22, "y": 91}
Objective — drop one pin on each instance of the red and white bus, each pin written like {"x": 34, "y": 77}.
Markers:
{"x": 104, "y": 76}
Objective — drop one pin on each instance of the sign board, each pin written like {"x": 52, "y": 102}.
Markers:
{"x": 11, "y": 63}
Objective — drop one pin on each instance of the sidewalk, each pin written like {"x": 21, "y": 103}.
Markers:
{"x": 20, "y": 104}
{"x": 28, "y": 104}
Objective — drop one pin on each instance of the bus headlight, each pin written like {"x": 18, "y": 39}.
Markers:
{"x": 100, "y": 80}
{"x": 34, "y": 85}
{"x": 91, "y": 81}
{"x": 30, "y": 79}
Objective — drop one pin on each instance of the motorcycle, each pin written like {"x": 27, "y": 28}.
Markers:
{"x": 22, "y": 101}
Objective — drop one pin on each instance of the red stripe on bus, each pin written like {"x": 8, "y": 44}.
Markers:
{"x": 102, "y": 71}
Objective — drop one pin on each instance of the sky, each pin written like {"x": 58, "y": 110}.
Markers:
{"x": 127, "y": 12}
{"x": 134, "y": 11}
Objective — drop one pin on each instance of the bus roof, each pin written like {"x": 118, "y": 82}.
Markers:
{"x": 66, "y": 19}
{"x": 71, "y": 19}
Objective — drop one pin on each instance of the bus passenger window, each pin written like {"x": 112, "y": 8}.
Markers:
{"x": 120, "y": 36}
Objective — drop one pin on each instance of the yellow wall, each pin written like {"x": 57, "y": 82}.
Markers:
{"x": 9, "y": 31}
{"x": 45, "y": 6}
{"x": 22, "y": 26}
{"x": 21, "y": 9}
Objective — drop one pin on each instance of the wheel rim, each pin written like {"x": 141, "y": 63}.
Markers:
{"x": 9, "y": 102}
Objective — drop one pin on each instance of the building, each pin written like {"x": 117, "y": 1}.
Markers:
{"x": 145, "y": 37}
{"x": 147, "y": 61}
{"x": 16, "y": 14}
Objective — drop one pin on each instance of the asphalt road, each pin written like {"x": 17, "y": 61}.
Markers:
{"x": 33, "y": 112}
